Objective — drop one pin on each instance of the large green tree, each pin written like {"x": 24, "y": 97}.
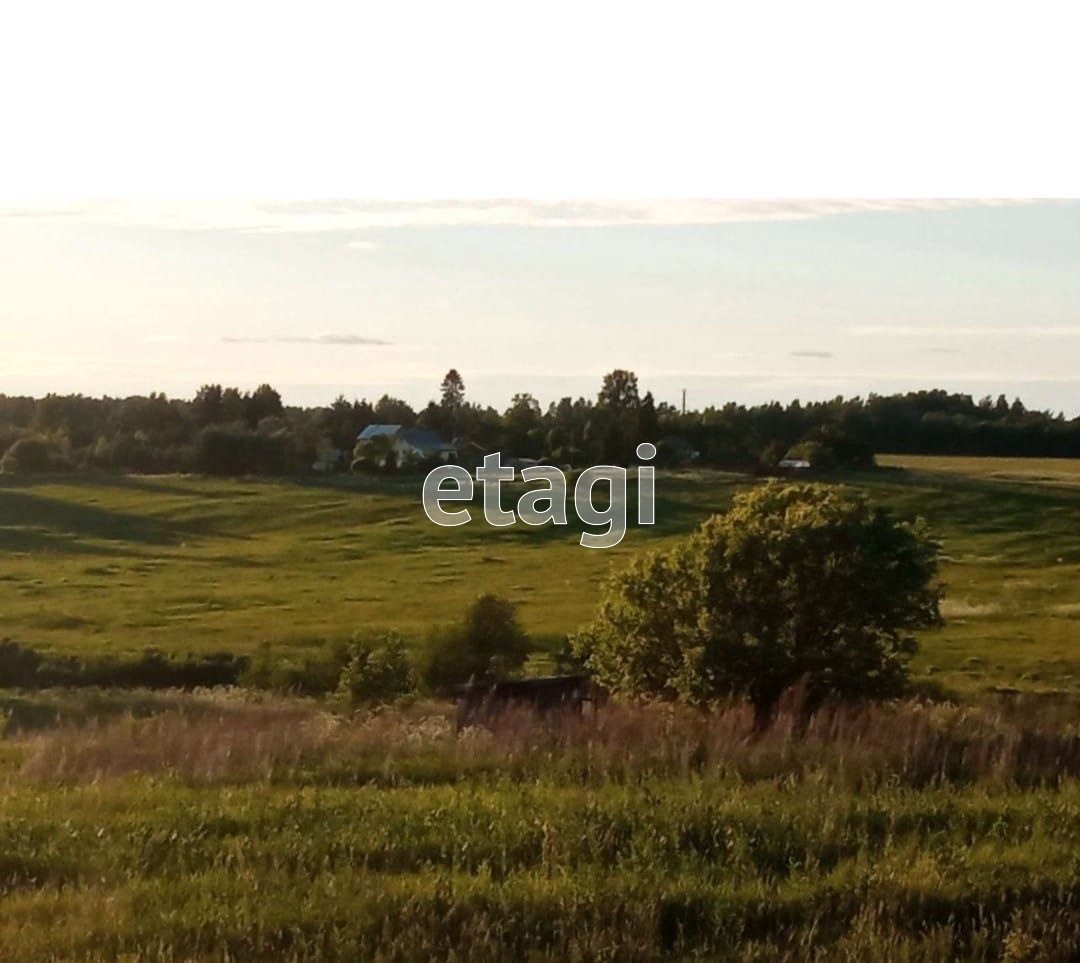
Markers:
{"x": 795, "y": 583}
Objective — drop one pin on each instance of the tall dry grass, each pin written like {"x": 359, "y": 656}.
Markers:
{"x": 910, "y": 743}
{"x": 228, "y": 743}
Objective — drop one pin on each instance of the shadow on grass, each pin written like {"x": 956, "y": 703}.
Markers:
{"x": 31, "y": 522}
{"x": 152, "y": 484}
{"x": 16, "y": 541}
{"x": 1030, "y": 521}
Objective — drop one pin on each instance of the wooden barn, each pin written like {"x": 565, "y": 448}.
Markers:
{"x": 481, "y": 703}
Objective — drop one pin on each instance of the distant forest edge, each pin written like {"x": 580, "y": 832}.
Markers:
{"x": 227, "y": 431}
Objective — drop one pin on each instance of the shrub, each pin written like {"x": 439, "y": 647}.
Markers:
{"x": 25, "y": 668}
{"x": 31, "y": 455}
{"x": 128, "y": 451}
{"x": 312, "y": 675}
{"x": 237, "y": 450}
{"x": 795, "y": 582}
{"x": 18, "y": 665}
{"x": 487, "y": 645}
{"x": 829, "y": 448}
{"x": 376, "y": 671}
{"x": 376, "y": 454}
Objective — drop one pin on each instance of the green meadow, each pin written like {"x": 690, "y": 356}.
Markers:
{"x": 236, "y": 825}
{"x": 115, "y": 565}
{"x": 238, "y": 829}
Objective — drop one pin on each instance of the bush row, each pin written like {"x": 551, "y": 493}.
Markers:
{"x": 22, "y": 667}
{"x": 487, "y": 644}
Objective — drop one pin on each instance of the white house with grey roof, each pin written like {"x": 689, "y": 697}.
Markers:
{"x": 411, "y": 444}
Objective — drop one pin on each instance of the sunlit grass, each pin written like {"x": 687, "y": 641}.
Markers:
{"x": 158, "y": 826}
{"x": 226, "y": 830}
{"x": 114, "y": 565}
{"x": 1045, "y": 470}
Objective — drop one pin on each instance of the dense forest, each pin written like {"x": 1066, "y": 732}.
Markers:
{"x": 227, "y": 431}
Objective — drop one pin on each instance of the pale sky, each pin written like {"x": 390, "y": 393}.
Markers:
{"x": 742, "y": 300}
{"x": 162, "y": 105}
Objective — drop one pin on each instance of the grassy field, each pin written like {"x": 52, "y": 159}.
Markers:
{"x": 1051, "y": 471}
{"x": 118, "y": 564}
{"x": 277, "y": 832}
{"x": 169, "y": 827}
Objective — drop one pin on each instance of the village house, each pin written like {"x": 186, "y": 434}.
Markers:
{"x": 409, "y": 444}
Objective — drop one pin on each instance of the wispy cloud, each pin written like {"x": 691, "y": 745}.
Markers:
{"x": 328, "y": 339}
{"x": 811, "y": 354}
{"x": 352, "y": 214}
{"x": 979, "y": 330}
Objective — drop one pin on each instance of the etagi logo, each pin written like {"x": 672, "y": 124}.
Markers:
{"x": 539, "y": 506}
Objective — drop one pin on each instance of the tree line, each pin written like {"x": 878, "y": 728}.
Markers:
{"x": 223, "y": 430}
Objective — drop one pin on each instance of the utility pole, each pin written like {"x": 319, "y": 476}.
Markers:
{"x": 684, "y": 401}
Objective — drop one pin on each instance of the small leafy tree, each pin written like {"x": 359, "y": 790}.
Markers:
{"x": 829, "y": 447}
{"x": 29, "y": 455}
{"x": 377, "y": 454}
{"x": 795, "y": 583}
{"x": 376, "y": 671}
{"x": 488, "y": 644}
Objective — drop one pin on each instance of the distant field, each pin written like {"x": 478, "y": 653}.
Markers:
{"x": 117, "y": 564}
{"x": 1047, "y": 470}
{"x": 195, "y": 564}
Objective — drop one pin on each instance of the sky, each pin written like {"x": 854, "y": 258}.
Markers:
{"x": 744, "y": 301}
{"x": 265, "y": 163}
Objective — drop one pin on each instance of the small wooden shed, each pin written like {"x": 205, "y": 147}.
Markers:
{"x": 480, "y": 703}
